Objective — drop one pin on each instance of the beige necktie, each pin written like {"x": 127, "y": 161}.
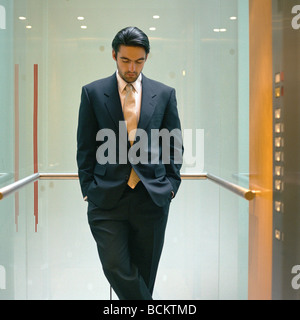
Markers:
{"x": 130, "y": 116}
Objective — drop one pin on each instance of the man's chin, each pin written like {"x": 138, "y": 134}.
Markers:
{"x": 131, "y": 80}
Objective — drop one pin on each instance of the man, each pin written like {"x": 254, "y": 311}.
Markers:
{"x": 128, "y": 200}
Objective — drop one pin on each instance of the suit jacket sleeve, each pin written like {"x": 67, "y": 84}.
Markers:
{"x": 171, "y": 122}
{"x": 86, "y": 142}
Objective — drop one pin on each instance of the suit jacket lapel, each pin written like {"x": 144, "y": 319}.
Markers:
{"x": 113, "y": 102}
{"x": 148, "y": 103}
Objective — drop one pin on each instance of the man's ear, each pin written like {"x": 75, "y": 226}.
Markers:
{"x": 114, "y": 55}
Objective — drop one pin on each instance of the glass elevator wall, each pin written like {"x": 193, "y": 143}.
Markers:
{"x": 47, "y": 54}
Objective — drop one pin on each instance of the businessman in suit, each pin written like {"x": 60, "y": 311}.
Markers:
{"x": 128, "y": 200}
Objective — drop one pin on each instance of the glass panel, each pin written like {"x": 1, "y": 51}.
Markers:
{"x": 197, "y": 47}
{"x": 62, "y": 256}
{"x": 7, "y": 212}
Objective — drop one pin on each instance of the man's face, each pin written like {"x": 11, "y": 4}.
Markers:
{"x": 130, "y": 62}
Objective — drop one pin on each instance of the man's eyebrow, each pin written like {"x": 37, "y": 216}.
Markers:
{"x": 125, "y": 58}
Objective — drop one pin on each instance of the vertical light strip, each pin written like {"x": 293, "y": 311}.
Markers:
{"x": 35, "y": 143}
{"x": 17, "y": 142}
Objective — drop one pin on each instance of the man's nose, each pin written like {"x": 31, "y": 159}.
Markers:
{"x": 132, "y": 67}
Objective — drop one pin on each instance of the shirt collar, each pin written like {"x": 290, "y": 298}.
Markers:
{"x": 122, "y": 83}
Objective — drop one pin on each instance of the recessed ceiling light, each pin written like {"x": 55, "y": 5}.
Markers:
{"x": 156, "y": 17}
{"x": 83, "y": 27}
{"x": 22, "y": 18}
{"x": 80, "y": 18}
{"x": 152, "y": 29}
{"x": 220, "y": 30}
{"x": 233, "y": 18}
{"x": 28, "y": 27}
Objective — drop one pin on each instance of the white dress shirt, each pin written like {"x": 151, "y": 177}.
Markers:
{"x": 137, "y": 90}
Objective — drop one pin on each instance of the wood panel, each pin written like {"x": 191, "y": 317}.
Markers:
{"x": 261, "y": 150}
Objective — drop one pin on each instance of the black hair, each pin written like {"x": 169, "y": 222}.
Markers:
{"x": 132, "y": 37}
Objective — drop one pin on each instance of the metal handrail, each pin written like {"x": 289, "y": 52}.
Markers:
{"x": 58, "y": 176}
{"x": 11, "y": 188}
{"x": 243, "y": 192}
{"x": 240, "y": 191}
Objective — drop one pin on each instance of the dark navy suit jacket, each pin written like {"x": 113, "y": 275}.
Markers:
{"x": 101, "y": 108}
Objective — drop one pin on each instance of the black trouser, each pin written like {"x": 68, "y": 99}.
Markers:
{"x": 130, "y": 240}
